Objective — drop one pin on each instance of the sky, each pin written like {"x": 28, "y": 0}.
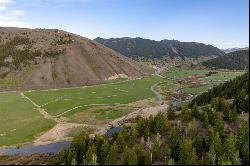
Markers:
{"x": 222, "y": 23}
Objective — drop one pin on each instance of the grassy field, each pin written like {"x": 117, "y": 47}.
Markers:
{"x": 170, "y": 85}
{"x": 184, "y": 73}
{"x": 19, "y": 122}
{"x": 57, "y": 102}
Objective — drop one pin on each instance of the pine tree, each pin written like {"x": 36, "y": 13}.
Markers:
{"x": 161, "y": 123}
{"x": 185, "y": 114}
{"x": 187, "y": 153}
{"x": 63, "y": 156}
{"x": 205, "y": 120}
{"x": 195, "y": 112}
{"x": 233, "y": 115}
{"x": 91, "y": 153}
{"x": 175, "y": 143}
{"x": 112, "y": 155}
{"x": 224, "y": 161}
{"x": 192, "y": 128}
{"x": 230, "y": 150}
{"x": 211, "y": 156}
{"x": 126, "y": 156}
{"x": 214, "y": 139}
{"x": 132, "y": 158}
{"x": 156, "y": 147}
{"x": 104, "y": 150}
{"x": 120, "y": 142}
{"x": 218, "y": 124}
{"x": 242, "y": 141}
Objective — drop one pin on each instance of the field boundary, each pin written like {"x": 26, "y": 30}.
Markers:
{"x": 45, "y": 114}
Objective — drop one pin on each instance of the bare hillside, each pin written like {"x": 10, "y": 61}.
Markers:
{"x": 49, "y": 58}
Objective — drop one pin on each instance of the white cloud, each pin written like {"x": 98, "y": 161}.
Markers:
{"x": 10, "y": 18}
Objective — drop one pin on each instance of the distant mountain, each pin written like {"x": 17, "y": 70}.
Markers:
{"x": 234, "y": 60}
{"x": 46, "y": 58}
{"x": 234, "y": 49}
{"x": 149, "y": 49}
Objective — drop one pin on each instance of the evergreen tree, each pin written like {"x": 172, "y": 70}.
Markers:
{"x": 161, "y": 123}
{"x": 187, "y": 153}
{"x": 242, "y": 141}
{"x": 185, "y": 114}
{"x": 104, "y": 150}
{"x": 224, "y": 161}
{"x": 230, "y": 150}
{"x": 192, "y": 128}
{"x": 91, "y": 155}
{"x": 126, "y": 156}
{"x": 132, "y": 158}
{"x": 141, "y": 154}
{"x": 233, "y": 115}
{"x": 218, "y": 124}
{"x": 156, "y": 147}
{"x": 120, "y": 142}
{"x": 205, "y": 120}
{"x": 211, "y": 157}
{"x": 112, "y": 155}
{"x": 195, "y": 111}
{"x": 71, "y": 156}
{"x": 80, "y": 146}
{"x": 63, "y": 156}
{"x": 175, "y": 143}
{"x": 214, "y": 139}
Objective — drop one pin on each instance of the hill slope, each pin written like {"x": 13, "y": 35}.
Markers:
{"x": 149, "y": 49}
{"x": 234, "y": 49}
{"x": 46, "y": 58}
{"x": 234, "y": 60}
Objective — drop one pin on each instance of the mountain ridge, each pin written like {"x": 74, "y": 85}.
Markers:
{"x": 150, "y": 49}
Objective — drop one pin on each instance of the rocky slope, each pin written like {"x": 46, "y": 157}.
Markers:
{"x": 49, "y": 58}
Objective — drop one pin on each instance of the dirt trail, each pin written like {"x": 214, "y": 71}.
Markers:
{"x": 157, "y": 95}
{"x": 40, "y": 110}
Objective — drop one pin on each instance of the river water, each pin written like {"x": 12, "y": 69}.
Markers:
{"x": 54, "y": 148}
{"x": 30, "y": 149}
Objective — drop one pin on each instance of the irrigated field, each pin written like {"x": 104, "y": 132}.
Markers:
{"x": 99, "y": 104}
{"x": 69, "y": 101}
{"x": 19, "y": 122}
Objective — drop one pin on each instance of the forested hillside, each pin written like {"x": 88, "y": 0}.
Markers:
{"x": 236, "y": 89}
{"x": 237, "y": 60}
{"x": 148, "y": 49}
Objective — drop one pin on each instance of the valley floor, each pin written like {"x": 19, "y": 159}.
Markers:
{"x": 48, "y": 116}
